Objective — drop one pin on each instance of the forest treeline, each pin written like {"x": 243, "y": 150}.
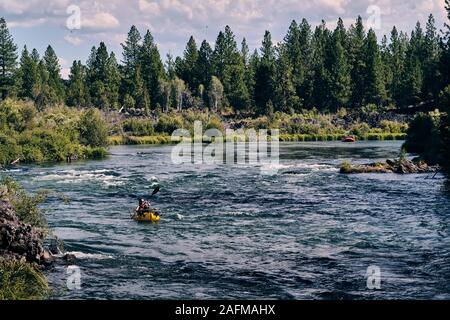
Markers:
{"x": 311, "y": 68}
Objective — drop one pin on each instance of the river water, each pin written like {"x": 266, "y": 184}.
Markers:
{"x": 227, "y": 231}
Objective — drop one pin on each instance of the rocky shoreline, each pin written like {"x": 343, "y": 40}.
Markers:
{"x": 20, "y": 241}
{"x": 401, "y": 166}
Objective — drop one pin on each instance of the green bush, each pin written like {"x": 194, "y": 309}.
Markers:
{"x": 423, "y": 137}
{"x": 169, "y": 123}
{"x": 393, "y": 126}
{"x": 53, "y": 134}
{"x": 96, "y": 153}
{"x": 138, "y": 127}
{"x": 215, "y": 123}
{"x": 360, "y": 130}
{"x": 93, "y": 129}
{"x": 26, "y": 206}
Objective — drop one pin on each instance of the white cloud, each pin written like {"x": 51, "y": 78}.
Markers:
{"x": 27, "y": 23}
{"x": 73, "y": 40}
{"x": 173, "y": 21}
{"x": 65, "y": 72}
{"x": 149, "y": 7}
{"x": 100, "y": 21}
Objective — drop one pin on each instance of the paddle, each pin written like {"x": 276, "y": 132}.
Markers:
{"x": 155, "y": 191}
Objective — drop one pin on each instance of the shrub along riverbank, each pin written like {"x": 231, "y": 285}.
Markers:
{"x": 305, "y": 126}
{"x": 55, "y": 134}
{"x": 61, "y": 133}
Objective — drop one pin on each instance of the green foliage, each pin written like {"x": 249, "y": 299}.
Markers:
{"x": 346, "y": 167}
{"x": 21, "y": 281}
{"x": 138, "y": 127}
{"x": 8, "y": 57}
{"x": 160, "y": 139}
{"x": 393, "y": 126}
{"x": 26, "y": 206}
{"x": 423, "y": 137}
{"x": 93, "y": 129}
{"x": 168, "y": 124}
{"x": 360, "y": 130}
{"x": 50, "y": 135}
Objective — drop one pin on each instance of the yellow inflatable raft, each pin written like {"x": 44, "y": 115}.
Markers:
{"x": 146, "y": 217}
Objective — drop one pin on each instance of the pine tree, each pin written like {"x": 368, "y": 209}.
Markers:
{"x": 286, "y": 99}
{"x": 131, "y": 51}
{"x": 44, "y": 95}
{"x": 397, "y": 48}
{"x": 170, "y": 66}
{"x": 444, "y": 60}
{"x": 338, "y": 70}
{"x": 386, "y": 59}
{"x": 218, "y": 57}
{"x": 237, "y": 93}
{"x": 54, "y": 78}
{"x": 152, "y": 69}
{"x": 432, "y": 53}
{"x": 141, "y": 96}
{"x": 319, "y": 77}
{"x": 131, "y": 60}
{"x": 374, "y": 86}
{"x": 113, "y": 80}
{"x": 8, "y": 60}
{"x": 98, "y": 76}
{"x": 187, "y": 68}
{"x": 204, "y": 67}
{"x": 265, "y": 76}
{"x": 250, "y": 70}
{"x": 77, "y": 92}
{"x": 357, "y": 62}
{"x": 413, "y": 72}
{"x": 245, "y": 52}
{"x": 28, "y": 75}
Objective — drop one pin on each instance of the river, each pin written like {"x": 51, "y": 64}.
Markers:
{"x": 227, "y": 231}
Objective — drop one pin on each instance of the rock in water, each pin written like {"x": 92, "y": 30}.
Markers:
{"x": 403, "y": 166}
{"x": 70, "y": 258}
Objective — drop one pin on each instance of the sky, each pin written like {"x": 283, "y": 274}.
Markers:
{"x": 72, "y": 27}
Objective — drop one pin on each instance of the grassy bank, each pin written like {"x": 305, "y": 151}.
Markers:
{"x": 133, "y": 140}
{"x": 338, "y": 137}
{"x": 149, "y": 140}
{"x": 21, "y": 281}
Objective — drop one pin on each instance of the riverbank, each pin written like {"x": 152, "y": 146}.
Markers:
{"x": 22, "y": 253}
{"x": 154, "y": 140}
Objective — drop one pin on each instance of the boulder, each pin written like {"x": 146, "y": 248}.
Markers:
{"x": 19, "y": 241}
{"x": 70, "y": 258}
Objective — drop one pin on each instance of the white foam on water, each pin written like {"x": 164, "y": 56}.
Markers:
{"x": 91, "y": 256}
{"x": 74, "y": 176}
{"x": 179, "y": 216}
{"x": 311, "y": 166}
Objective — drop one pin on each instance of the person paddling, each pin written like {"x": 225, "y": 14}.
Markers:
{"x": 144, "y": 206}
